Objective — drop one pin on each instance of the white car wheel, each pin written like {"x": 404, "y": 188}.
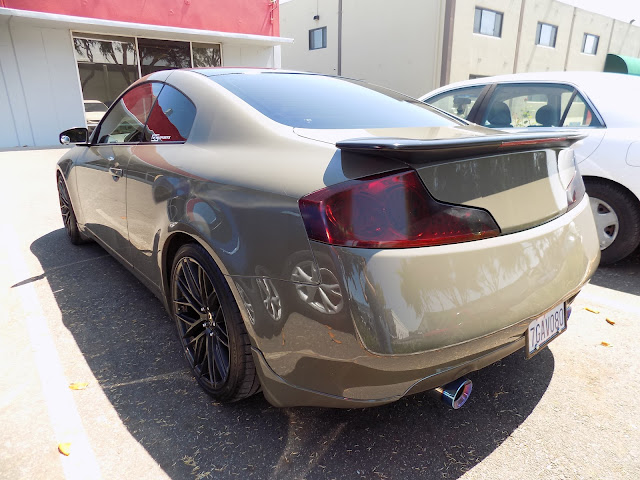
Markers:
{"x": 607, "y": 222}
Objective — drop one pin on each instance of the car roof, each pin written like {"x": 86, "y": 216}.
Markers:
{"x": 214, "y": 71}
{"x": 581, "y": 79}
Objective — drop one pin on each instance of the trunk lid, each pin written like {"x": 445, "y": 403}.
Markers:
{"x": 520, "y": 179}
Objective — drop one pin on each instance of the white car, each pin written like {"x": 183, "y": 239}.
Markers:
{"x": 94, "y": 110}
{"x": 605, "y": 106}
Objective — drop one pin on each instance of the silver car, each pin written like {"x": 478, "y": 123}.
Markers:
{"x": 327, "y": 241}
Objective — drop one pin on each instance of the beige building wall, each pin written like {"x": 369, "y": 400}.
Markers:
{"x": 477, "y": 54}
{"x": 394, "y": 44}
{"x": 625, "y": 39}
{"x": 594, "y": 24}
{"x": 538, "y": 58}
{"x": 414, "y": 46}
{"x": 296, "y": 19}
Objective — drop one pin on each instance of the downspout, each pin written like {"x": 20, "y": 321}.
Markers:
{"x": 573, "y": 19}
{"x": 339, "y": 37}
{"x": 447, "y": 40}
{"x": 515, "y": 56}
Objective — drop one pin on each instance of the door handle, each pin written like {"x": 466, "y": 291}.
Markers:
{"x": 116, "y": 172}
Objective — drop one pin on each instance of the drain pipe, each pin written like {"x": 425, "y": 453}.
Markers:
{"x": 454, "y": 394}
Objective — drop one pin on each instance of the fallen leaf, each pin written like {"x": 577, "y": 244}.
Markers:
{"x": 605, "y": 344}
{"x": 589, "y": 309}
{"x": 64, "y": 448}
{"x": 610, "y": 322}
{"x": 78, "y": 385}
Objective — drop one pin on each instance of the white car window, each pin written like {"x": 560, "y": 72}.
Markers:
{"x": 537, "y": 105}
{"x": 458, "y": 102}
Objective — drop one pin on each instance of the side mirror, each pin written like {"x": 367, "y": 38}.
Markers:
{"x": 74, "y": 135}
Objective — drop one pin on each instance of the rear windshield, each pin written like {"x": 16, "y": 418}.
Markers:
{"x": 316, "y": 101}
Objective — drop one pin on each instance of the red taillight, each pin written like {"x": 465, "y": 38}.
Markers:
{"x": 390, "y": 211}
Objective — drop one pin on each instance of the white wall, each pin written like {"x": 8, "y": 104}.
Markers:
{"x": 249, "y": 56}
{"x": 40, "y": 94}
{"x": 39, "y": 84}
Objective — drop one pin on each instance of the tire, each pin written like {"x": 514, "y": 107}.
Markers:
{"x": 210, "y": 327}
{"x": 617, "y": 216}
{"x": 68, "y": 215}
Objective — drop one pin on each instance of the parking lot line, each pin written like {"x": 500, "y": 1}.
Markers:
{"x": 61, "y": 407}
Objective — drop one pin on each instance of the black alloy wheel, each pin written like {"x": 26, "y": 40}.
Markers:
{"x": 68, "y": 216}
{"x": 210, "y": 327}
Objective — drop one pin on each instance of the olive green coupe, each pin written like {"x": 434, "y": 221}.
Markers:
{"x": 329, "y": 242}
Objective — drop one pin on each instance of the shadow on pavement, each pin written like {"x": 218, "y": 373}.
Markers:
{"x": 129, "y": 342}
{"x": 623, "y": 276}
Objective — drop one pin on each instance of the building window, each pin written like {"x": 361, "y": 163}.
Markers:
{"x": 546, "y": 35}
{"x": 487, "y": 22}
{"x": 107, "y": 65}
{"x": 590, "y": 44}
{"x": 156, "y": 55}
{"x": 318, "y": 38}
{"x": 206, "y": 55}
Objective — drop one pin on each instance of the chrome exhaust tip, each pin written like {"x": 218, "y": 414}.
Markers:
{"x": 456, "y": 393}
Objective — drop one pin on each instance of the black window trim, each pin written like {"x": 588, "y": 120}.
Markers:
{"x": 488, "y": 10}
{"x": 584, "y": 43}
{"x": 539, "y": 33}
{"x": 324, "y": 38}
{"x": 96, "y": 132}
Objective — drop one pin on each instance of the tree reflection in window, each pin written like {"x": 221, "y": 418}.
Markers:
{"x": 106, "y": 66}
{"x": 156, "y": 55}
{"x": 206, "y": 55}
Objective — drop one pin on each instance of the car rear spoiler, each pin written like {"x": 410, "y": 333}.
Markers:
{"x": 430, "y": 151}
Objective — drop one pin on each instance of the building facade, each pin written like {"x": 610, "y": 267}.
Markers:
{"x": 63, "y": 63}
{"x": 415, "y": 46}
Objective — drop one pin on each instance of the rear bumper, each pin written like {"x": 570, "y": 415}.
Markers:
{"x": 414, "y": 319}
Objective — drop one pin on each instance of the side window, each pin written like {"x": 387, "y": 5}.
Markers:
{"x": 536, "y": 105}
{"x": 458, "y": 102}
{"x": 125, "y": 122}
{"x": 171, "y": 118}
{"x": 578, "y": 114}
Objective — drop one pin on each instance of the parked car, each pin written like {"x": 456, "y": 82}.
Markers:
{"x": 94, "y": 110}
{"x": 331, "y": 242}
{"x": 603, "y": 106}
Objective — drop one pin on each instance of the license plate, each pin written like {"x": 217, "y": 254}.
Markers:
{"x": 545, "y": 328}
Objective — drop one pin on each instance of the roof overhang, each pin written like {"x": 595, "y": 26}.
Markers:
{"x": 13, "y": 16}
{"x": 622, "y": 64}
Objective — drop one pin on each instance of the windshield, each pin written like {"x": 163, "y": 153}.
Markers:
{"x": 90, "y": 107}
{"x": 316, "y": 101}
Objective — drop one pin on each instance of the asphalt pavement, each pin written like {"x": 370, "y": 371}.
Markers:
{"x": 74, "y": 315}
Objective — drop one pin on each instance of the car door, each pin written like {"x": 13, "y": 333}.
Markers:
{"x": 101, "y": 176}
{"x": 543, "y": 106}
{"x": 156, "y": 186}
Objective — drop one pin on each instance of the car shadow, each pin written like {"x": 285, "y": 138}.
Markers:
{"x": 129, "y": 343}
{"x": 623, "y": 276}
